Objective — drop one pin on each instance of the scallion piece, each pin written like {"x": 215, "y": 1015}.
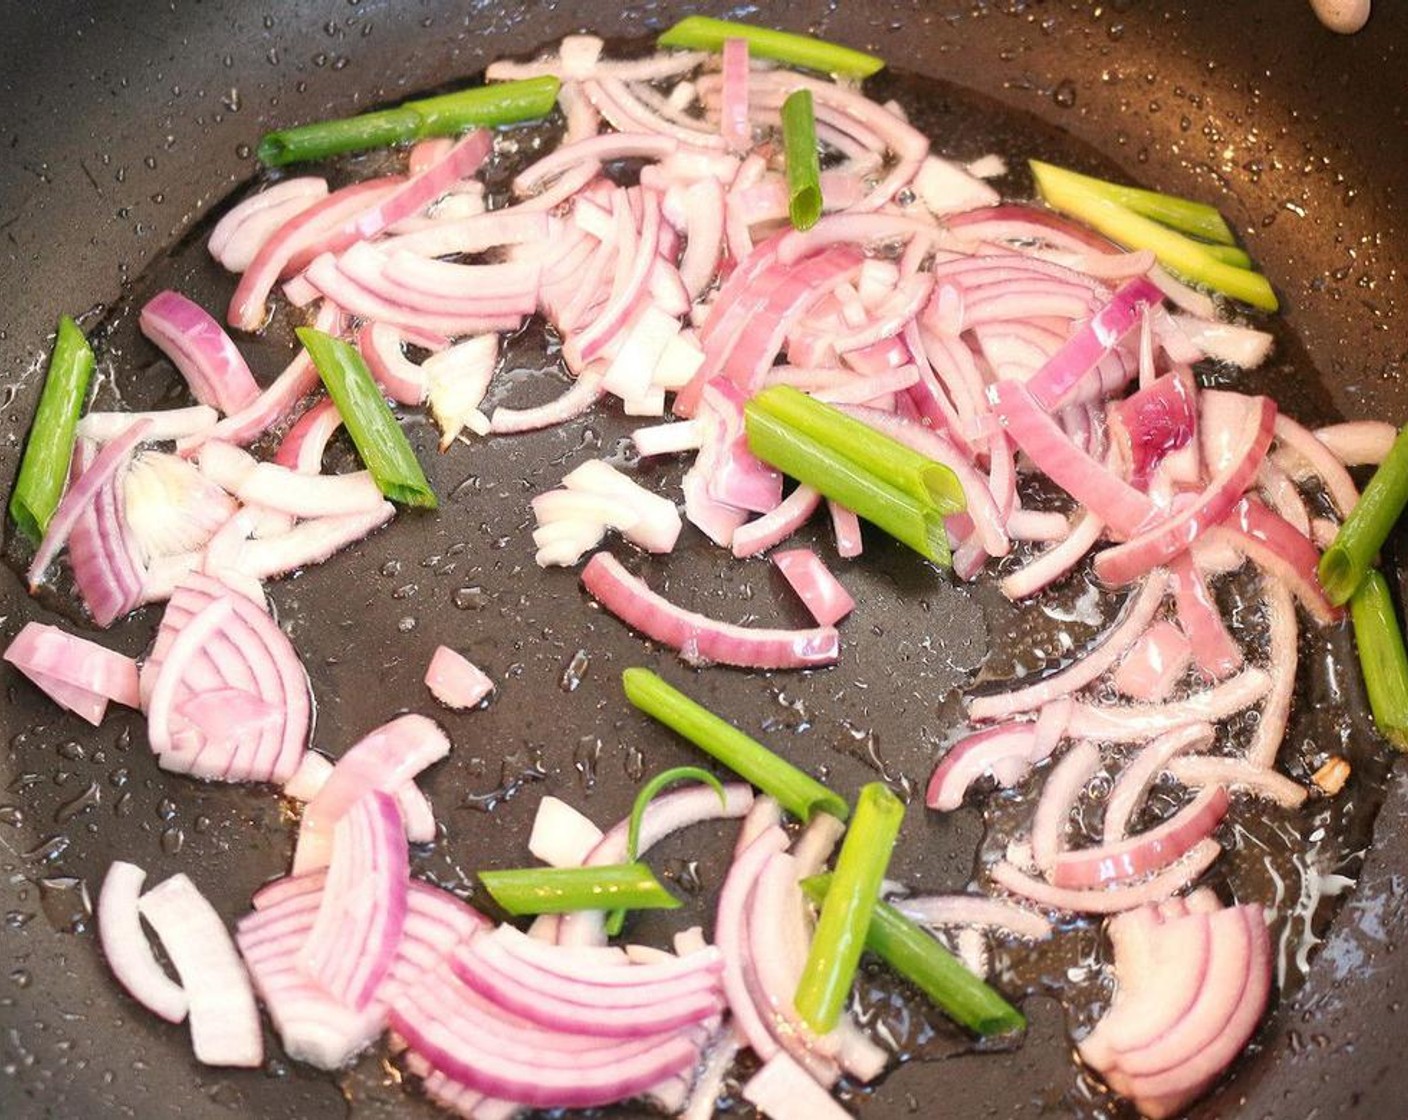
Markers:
{"x": 383, "y": 447}
{"x": 931, "y": 968}
{"x": 1195, "y": 218}
{"x": 917, "y": 475}
{"x": 1229, "y": 254}
{"x": 561, "y": 890}
{"x": 700, "y": 33}
{"x": 801, "y": 159}
{"x": 44, "y": 468}
{"x": 799, "y": 793}
{"x": 617, "y": 918}
{"x": 1189, "y": 258}
{"x": 845, "y": 915}
{"x": 1353, "y": 551}
{"x": 489, "y": 106}
{"x": 910, "y": 521}
{"x": 1382, "y": 657}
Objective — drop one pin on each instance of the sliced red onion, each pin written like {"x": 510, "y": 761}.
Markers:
{"x": 1359, "y": 443}
{"x": 304, "y": 445}
{"x": 626, "y": 112}
{"x": 1213, "y": 648}
{"x": 731, "y": 936}
{"x": 562, "y": 836}
{"x": 241, "y": 233}
{"x": 824, "y": 597}
{"x": 225, "y": 1028}
{"x": 700, "y": 639}
{"x": 773, "y": 527}
{"x": 709, "y": 1083}
{"x": 1007, "y": 752}
{"x": 1322, "y": 461}
{"x": 87, "y": 489}
{"x": 667, "y": 439}
{"x": 818, "y": 840}
{"x": 384, "y": 760}
{"x": 1155, "y": 422}
{"x": 1134, "y": 781}
{"x": 1284, "y": 640}
{"x": 1279, "y": 550}
{"x": 78, "y": 674}
{"x": 312, "y": 774}
{"x": 1061, "y": 791}
{"x": 1227, "y": 342}
{"x": 971, "y": 910}
{"x": 213, "y": 367}
{"x": 310, "y": 542}
{"x": 1138, "y": 613}
{"x": 704, "y": 207}
{"x": 458, "y": 378}
{"x": 783, "y": 1089}
{"x": 1236, "y": 773}
{"x": 1147, "y": 851}
{"x": 473, "y": 234}
{"x": 584, "y": 393}
{"x": 1056, "y": 561}
{"x": 363, "y": 909}
{"x": 310, "y": 495}
{"x": 1110, "y": 900}
{"x": 456, "y": 681}
{"x": 164, "y": 424}
{"x": 1155, "y": 664}
{"x": 126, "y": 948}
{"x": 1128, "y": 561}
{"x": 402, "y": 379}
{"x": 170, "y": 507}
{"x": 1134, "y": 723}
{"x": 657, "y": 526}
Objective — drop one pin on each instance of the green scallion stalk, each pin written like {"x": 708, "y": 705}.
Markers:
{"x": 1195, "y": 218}
{"x": 802, "y": 159}
{"x": 561, "y": 890}
{"x": 1353, "y": 551}
{"x": 502, "y": 103}
{"x": 845, "y": 915}
{"x": 383, "y": 447}
{"x": 700, "y": 33}
{"x": 1229, "y": 254}
{"x": 917, "y": 475}
{"x": 799, "y": 793}
{"x": 617, "y": 918}
{"x": 910, "y": 521}
{"x": 1382, "y": 657}
{"x": 931, "y": 968}
{"x": 44, "y": 468}
{"x": 1189, "y": 258}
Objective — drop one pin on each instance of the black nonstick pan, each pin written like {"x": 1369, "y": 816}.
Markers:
{"x": 124, "y": 126}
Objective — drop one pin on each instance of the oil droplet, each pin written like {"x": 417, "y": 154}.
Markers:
{"x": 469, "y": 598}
{"x": 172, "y": 841}
{"x": 635, "y": 764}
{"x": 11, "y": 815}
{"x": 1065, "y": 93}
{"x": 86, "y": 800}
{"x": 64, "y": 900}
{"x": 585, "y": 758}
{"x": 50, "y": 850}
{"x": 21, "y": 978}
{"x": 575, "y": 671}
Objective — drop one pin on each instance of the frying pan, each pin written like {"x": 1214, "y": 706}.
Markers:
{"x": 123, "y": 126}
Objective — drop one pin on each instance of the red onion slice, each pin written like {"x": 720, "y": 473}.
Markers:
{"x": 784, "y": 1090}
{"x": 363, "y": 910}
{"x": 384, "y": 760}
{"x": 1147, "y": 851}
{"x": 126, "y": 948}
{"x": 456, "y": 681}
{"x": 1134, "y": 780}
{"x": 826, "y": 600}
{"x": 78, "y": 674}
{"x": 970, "y": 910}
{"x": 1237, "y": 773}
{"x": 1061, "y": 791}
{"x": 1007, "y": 752}
{"x": 204, "y": 354}
{"x": 225, "y": 1028}
{"x": 1110, "y": 900}
{"x": 304, "y": 445}
{"x": 1284, "y": 640}
{"x": 731, "y": 935}
{"x": 241, "y": 233}
{"x": 165, "y": 424}
{"x": 773, "y": 527}
{"x": 1360, "y": 443}
{"x": 1134, "y": 723}
{"x": 310, "y": 542}
{"x": 697, "y": 637}
{"x": 562, "y": 836}
{"x": 1155, "y": 664}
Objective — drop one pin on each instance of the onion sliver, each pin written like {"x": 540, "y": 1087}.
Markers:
{"x": 1110, "y": 900}
{"x": 1134, "y": 780}
{"x": 225, "y": 1028}
{"x": 363, "y": 908}
{"x": 77, "y": 674}
{"x": 1147, "y": 851}
{"x": 456, "y": 681}
{"x": 696, "y": 637}
{"x": 824, "y": 597}
{"x": 384, "y": 760}
{"x": 207, "y": 358}
{"x": 943, "y": 911}
{"x": 126, "y": 947}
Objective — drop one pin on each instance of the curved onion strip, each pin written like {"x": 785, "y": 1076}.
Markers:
{"x": 166, "y": 423}
{"x": 731, "y": 934}
{"x": 1118, "y": 723}
{"x": 774, "y": 527}
{"x": 1321, "y": 461}
{"x": 125, "y": 944}
{"x": 1006, "y": 751}
{"x": 204, "y": 354}
{"x": 225, "y": 1027}
{"x": 1056, "y": 561}
{"x": 1284, "y": 643}
{"x": 1059, "y": 794}
{"x": 1134, "y": 780}
{"x": 584, "y": 393}
{"x": 1238, "y": 773}
{"x": 1360, "y": 443}
{"x": 1146, "y": 851}
{"x": 1110, "y": 900}
{"x": 304, "y": 445}
{"x": 945, "y": 911}
{"x": 310, "y": 542}
{"x": 1139, "y": 612}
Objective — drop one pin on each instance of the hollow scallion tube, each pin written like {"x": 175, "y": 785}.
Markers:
{"x": 1353, "y": 551}
{"x": 1183, "y": 255}
{"x": 561, "y": 890}
{"x": 383, "y": 447}
{"x": 918, "y": 524}
{"x": 1196, "y": 218}
{"x": 488, "y": 106}
{"x": 917, "y": 475}
{"x": 850, "y": 901}
{"x": 797, "y": 792}
{"x": 44, "y": 468}
{"x": 700, "y": 33}
{"x": 801, "y": 159}
{"x": 616, "y": 919}
{"x": 931, "y": 968}
{"x": 1382, "y": 657}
